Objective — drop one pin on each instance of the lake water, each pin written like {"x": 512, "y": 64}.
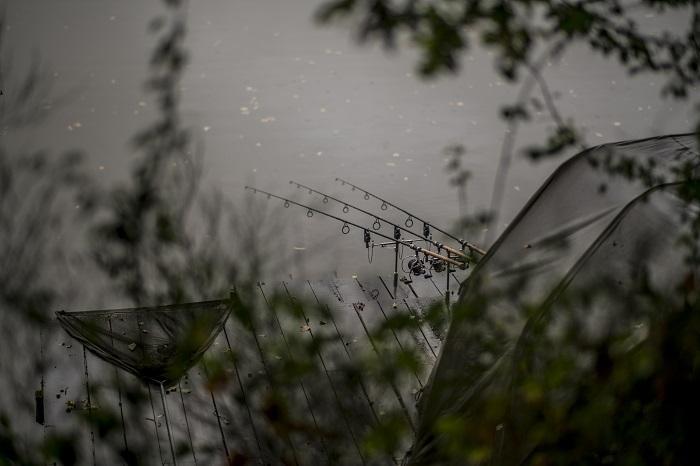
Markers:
{"x": 275, "y": 97}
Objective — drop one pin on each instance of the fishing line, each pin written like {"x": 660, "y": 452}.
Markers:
{"x": 243, "y": 394}
{"x": 148, "y": 386}
{"x": 436, "y": 287}
{"x": 251, "y": 328}
{"x": 167, "y": 423}
{"x": 301, "y": 384}
{"x": 187, "y": 422}
{"x": 89, "y": 401}
{"x": 386, "y": 319}
{"x": 399, "y": 398}
{"x": 40, "y": 414}
{"x": 416, "y": 316}
{"x": 342, "y": 410}
{"x": 119, "y": 389}
{"x": 155, "y": 423}
{"x": 216, "y": 413}
{"x": 370, "y": 403}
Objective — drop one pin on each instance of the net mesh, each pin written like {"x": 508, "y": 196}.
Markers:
{"x": 610, "y": 218}
{"x": 156, "y": 344}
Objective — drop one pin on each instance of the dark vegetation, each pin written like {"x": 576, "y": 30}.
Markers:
{"x": 592, "y": 374}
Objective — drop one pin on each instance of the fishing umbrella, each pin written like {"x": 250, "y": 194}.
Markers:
{"x": 609, "y": 218}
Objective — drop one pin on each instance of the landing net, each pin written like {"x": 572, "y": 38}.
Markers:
{"x": 156, "y": 344}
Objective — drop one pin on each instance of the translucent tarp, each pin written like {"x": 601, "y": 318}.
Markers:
{"x": 608, "y": 218}
{"x": 157, "y": 344}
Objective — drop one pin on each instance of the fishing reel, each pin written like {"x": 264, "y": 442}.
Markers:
{"x": 416, "y": 266}
{"x": 437, "y": 265}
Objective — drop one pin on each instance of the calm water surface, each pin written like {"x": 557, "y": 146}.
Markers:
{"x": 274, "y": 97}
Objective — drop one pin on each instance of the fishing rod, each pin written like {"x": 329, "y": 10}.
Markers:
{"x": 426, "y": 225}
{"x": 377, "y": 219}
{"x": 347, "y": 223}
{"x": 367, "y": 234}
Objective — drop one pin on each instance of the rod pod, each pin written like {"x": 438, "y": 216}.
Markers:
{"x": 397, "y": 237}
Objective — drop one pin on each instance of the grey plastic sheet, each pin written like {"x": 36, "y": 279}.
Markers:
{"x": 608, "y": 218}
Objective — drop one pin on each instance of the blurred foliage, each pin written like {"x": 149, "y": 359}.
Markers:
{"x": 40, "y": 194}
{"x": 566, "y": 393}
{"x": 515, "y": 30}
{"x": 144, "y": 240}
{"x": 288, "y": 385}
{"x": 525, "y": 36}
{"x": 519, "y": 29}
